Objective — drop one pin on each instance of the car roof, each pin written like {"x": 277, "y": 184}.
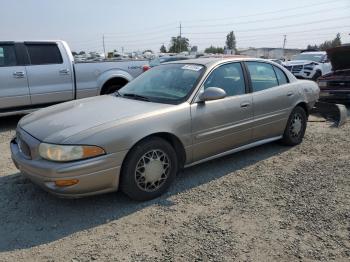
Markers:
{"x": 208, "y": 62}
{"x": 315, "y": 52}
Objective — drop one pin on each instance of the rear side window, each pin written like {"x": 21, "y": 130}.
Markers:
{"x": 262, "y": 76}
{"x": 44, "y": 54}
{"x": 7, "y": 55}
{"x": 281, "y": 76}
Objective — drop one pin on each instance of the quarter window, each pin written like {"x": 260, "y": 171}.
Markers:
{"x": 43, "y": 54}
{"x": 262, "y": 76}
{"x": 7, "y": 55}
{"x": 281, "y": 76}
{"x": 229, "y": 77}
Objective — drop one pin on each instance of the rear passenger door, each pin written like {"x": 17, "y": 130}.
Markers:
{"x": 14, "y": 92}
{"x": 49, "y": 75}
{"x": 272, "y": 99}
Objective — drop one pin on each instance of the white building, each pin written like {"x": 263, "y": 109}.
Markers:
{"x": 270, "y": 53}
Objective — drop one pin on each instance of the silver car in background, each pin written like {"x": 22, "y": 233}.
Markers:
{"x": 175, "y": 115}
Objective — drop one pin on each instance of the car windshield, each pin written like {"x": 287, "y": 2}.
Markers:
{"x": 310, "y": 57}
{"x": 171, "y": 83}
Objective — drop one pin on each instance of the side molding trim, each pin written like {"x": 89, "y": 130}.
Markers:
{"x": 235, "y": 150}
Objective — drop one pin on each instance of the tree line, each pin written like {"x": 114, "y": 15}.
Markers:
{"x": 326, "y": 44}
{"x": 180, "y": 44}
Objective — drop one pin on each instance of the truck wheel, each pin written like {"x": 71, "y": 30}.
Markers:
{"x": 149, "y": 169}
{"x": 296, "y": 126}
{"x": 317, "y": 75}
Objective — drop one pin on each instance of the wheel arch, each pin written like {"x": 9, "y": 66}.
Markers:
{"x": 112, "y": 75}
{"x": 172, "y": 139}
{"x": 304, "y": 106}
{"x": 114, "y": 80}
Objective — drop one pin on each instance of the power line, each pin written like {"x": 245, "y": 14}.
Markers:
{"x": 269, "y": 12}
{"x": 271, "y": 19}
{"x": 274, "y": 27}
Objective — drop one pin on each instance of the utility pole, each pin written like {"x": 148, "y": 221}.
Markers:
{"x": 104, "y": 46}
{"x": 284, "y": 43}
{"x": 180, "y": 37}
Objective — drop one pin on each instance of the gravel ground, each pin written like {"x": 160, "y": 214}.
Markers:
{"x": 271, "y": 203}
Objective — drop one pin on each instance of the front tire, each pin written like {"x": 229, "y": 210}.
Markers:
{"x": 149, "y": 169}
{"x": 317, "y": 75}
{"x": 296, "y": 126}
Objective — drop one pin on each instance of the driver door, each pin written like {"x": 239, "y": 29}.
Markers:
{"x": 224, "y": 124}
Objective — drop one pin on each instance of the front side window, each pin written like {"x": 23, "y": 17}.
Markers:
{"x": 229, "y": 77}
{"x": 262, "y": 76}
{"x": 7, "y": 55}
{"x": 169, "y": 83}
{"x": 44, "y": 54}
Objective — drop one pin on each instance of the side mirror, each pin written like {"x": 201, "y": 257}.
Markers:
{"x": 212, "y": 93}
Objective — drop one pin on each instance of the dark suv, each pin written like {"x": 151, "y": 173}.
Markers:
{"x": 335, "y": 86}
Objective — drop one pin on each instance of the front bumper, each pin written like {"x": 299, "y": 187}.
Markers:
{"x": 304, "y": 75}
{"x": 97, "y": 175}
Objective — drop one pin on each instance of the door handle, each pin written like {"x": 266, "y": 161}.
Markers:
{"x": 290, "y": 94}
{"x": 245, "y": 105}
{"x": 64, "y": 71}
{"x": 18, "y": 74}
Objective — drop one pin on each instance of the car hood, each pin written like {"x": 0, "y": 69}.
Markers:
{"x": 57, "y": 123}
{"x": 339, "y": 57}
{"x": 299, "y": 62}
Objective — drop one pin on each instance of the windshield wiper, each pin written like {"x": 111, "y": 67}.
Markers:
{"x": 135, "y": 96}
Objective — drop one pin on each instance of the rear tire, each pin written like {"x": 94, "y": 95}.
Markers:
{"x": 296, "y": 126}
{"x": 110, "y": 89}
{"x": 149, "y": 169}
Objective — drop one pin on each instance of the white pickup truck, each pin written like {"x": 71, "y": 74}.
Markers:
{"x": 40, "y": 73}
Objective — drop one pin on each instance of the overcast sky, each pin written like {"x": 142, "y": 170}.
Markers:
{"x": 140, "y": 25}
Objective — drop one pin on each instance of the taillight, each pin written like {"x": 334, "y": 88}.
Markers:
{"x": 145, "y": 68}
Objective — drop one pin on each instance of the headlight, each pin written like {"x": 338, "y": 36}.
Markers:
{"x": 309, "y": 66}
{"x": 63, "y": 153}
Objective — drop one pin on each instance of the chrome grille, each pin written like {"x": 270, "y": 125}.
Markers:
{"x": 297, "y": 69}
{"x": 294, "y": 69}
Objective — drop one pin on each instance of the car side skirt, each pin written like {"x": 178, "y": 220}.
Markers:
{"x": 235, "y": 150}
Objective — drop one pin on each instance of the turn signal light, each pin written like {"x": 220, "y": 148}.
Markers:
{"x": 68, "y": 182}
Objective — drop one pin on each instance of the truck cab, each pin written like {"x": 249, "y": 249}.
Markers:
{"x": 34, "y": 73}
